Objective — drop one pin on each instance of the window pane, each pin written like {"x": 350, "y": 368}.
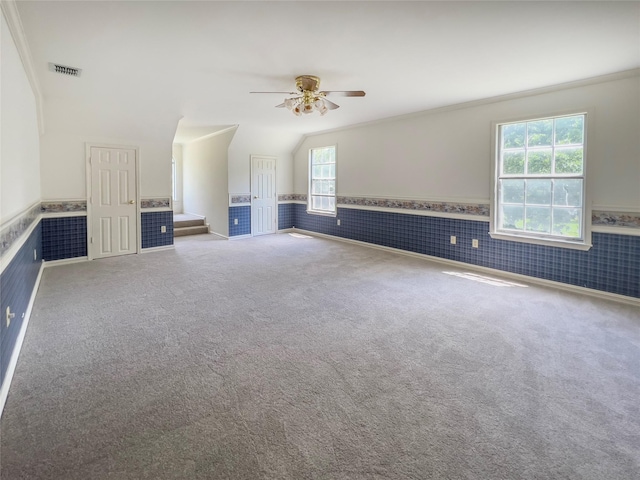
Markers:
{"x": 566, "y": 222}
{"x": 326, "y": 171}
{"x": 567, "y": 192}
{"x": 317, "y": 171}
{"x": 570, "y": 130}
{"x": 538, "y": 192}
{"x": 569, "y": 160}
{"x": 513, "y": 217}
{"x": 513, "y": 162}
{"x": 512, "y": 191}
{"x": 538, "y": 219}
{"x": 539, "y": 161}
{"x": 540, "y": 133}
{"x": 513, "y": 135}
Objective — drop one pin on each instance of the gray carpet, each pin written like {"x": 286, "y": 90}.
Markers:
{"x": 286, "y": 358}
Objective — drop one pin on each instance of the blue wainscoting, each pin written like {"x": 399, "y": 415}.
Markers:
{"x": 152, "y": 223}
{"x": 17, "y": 282}
{"x": 243, "y": 215}
{"x": 611, "y": 265}
{"x": 64, "y": 237}
{"x": 286, "y": 215}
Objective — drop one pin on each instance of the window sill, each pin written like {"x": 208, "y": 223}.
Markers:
{"x": 541, "y": 241}
{"x": 323, "y": 214}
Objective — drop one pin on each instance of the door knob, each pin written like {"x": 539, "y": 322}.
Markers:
{"x": 132, "y": 202}
{"x": 255, "y": 196}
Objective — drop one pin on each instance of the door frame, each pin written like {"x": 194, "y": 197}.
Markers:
{"x": 89, "y": 177}
{"x": 275, "y": 186}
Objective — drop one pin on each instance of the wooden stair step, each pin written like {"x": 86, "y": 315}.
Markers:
{"x": 188, "y": 223}
{"x": 192, "y": 230}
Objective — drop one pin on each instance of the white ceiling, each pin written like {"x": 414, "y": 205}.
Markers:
{"x": 150, "y": 60}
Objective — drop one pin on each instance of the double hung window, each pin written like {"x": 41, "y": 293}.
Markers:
{"x": 322, "y": 181}
{"x": 540, "y": 180}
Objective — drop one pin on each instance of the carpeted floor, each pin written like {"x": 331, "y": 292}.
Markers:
{"x": 302, "y": 358}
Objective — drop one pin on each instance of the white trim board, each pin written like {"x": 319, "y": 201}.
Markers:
{"x": 157, "y": 249}
{"x": 10, "y": 254}
{"x": 64, "y": 261}
{"x": 13, "y": 362}
{"x": 469, "y": 266}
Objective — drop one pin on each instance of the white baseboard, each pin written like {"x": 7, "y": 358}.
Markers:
{"x": 240, "y": 237}
{"x": 157, "y": 249}
{"x": 65, "y": 261}
{"x": 13, "y": 362}
{"x": 469, "y": 266}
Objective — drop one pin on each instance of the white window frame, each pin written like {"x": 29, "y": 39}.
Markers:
{"x": 583, "y": 243}
{"x": 310, "y": 208}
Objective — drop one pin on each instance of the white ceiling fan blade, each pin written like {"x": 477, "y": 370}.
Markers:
{"x": 347, "y": 93}
{"x": 330, "y": 105}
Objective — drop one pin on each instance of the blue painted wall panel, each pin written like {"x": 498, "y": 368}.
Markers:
{"x": 64, "y": 237}
{"x": 152, "y": 223}
{"x": 612, "y": 265}
{"x": 286, "y": 215}
{"x": 16, "y": 285}
{"x": 243, "y": 215}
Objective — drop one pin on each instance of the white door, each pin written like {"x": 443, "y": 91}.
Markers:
{"x": 264, "y": 205}
{"x": 113, "y": 209}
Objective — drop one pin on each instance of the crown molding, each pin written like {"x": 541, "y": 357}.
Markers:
{"x": 12, "y": 16}
{"x": 635, "y": 72}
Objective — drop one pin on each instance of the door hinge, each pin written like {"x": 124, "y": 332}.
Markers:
{"x": 91, "y": 240}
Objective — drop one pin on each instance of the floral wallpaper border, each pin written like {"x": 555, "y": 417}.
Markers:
{"x": 14, "y": 230}
{"x": 422, "y": 205}
{"x": 615, "y": 219}
{"x": 155, "y": 203}
{"x": 599, "y": 217}
{"x": 240, "y": 198}
{"x": 64, "y": 206}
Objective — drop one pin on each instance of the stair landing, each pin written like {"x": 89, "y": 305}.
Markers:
{"x": 184, "y": 224}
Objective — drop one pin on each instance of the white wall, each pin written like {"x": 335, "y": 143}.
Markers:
{"x": 261, "y": 141}
{"x": 446, "y": 154}
{"x": 177, "y": 156}
{"x": 205, "y": 175}
{"x": 69, "y": 127}
{"x": 19, "y": 152}
{"x": 64, "y": 165}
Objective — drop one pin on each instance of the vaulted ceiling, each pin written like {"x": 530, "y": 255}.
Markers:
{"x": 150, "y": 61}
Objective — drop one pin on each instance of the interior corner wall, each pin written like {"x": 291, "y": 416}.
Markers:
{"x": 20, "y": 150}
{"x": 177, "y": 157}
{"x": 205, "y": 180}
{"x": 446, "y": 155}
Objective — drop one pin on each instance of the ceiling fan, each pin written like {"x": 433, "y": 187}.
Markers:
{"x": 309, "y": 98}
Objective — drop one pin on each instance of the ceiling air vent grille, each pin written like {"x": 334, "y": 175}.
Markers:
{"x": 65, "y": 70}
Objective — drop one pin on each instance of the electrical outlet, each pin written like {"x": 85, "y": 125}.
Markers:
{"x": 474, "y": 243}
{"x": 235, "y": 221}
{"x": 9, "y": 315}
{"x": 338, "y": 221}
{"x": 163, "y": 229}
{"x": 453, "y": 239}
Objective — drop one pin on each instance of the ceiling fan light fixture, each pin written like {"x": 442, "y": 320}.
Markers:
{"x": 311, "y": 98}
